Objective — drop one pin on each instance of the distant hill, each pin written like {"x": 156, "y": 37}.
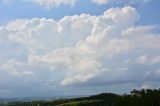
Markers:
{"x": 135, "y": 98}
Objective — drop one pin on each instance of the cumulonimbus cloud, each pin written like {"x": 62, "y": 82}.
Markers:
{"x": 106, "y": 47}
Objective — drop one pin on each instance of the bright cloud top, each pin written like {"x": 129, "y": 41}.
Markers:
{"x": 85, "y": 49}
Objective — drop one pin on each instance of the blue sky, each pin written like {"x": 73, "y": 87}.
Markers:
{"x": 78, "y": 47}
{"x": 18, "y": 9}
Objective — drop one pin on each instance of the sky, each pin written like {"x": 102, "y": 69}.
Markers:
{"x": 78, "y": 47}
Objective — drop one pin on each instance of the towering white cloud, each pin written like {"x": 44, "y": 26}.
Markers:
{"x": 88, "y": 49}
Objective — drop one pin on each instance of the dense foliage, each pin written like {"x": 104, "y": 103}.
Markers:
{"x": 135, "y": 98}
{"x": 139, "y": 98}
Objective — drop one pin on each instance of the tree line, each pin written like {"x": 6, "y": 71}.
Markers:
{"x": 144, "y": 97}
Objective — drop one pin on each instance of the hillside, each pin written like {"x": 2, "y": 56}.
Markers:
{"x": 135, "y": 98}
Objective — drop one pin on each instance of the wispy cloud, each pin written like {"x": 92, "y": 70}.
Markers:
{"x": 49, "y": 4}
